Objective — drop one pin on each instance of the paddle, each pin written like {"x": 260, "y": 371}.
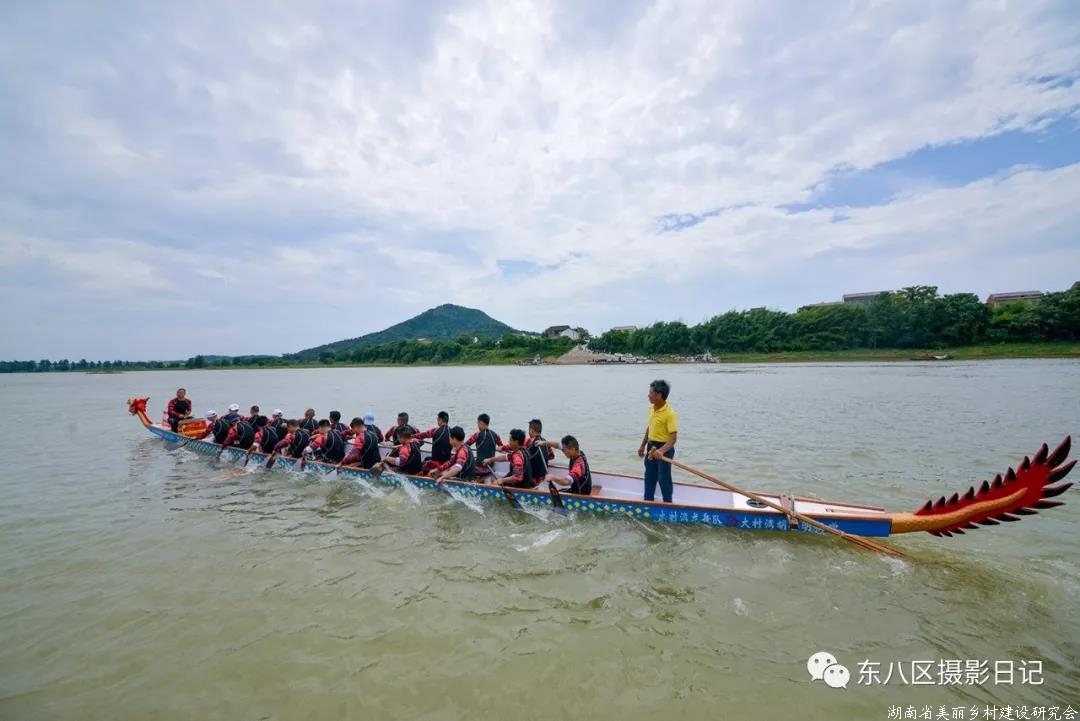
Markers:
{"x": 857, "y": 540}
{"x": 271, "y": 459}
{"x": 509, "y": 495}
{"x": 556, "y": 498}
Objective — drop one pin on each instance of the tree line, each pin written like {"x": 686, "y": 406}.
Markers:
{"x": 914, "y": 317}
{"x": 464, "y": 349}
{"x": 461, "y": 350}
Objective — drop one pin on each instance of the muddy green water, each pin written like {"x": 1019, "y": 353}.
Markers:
{"x": 136, "y": 585}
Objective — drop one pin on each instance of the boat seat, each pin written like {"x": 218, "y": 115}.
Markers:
{"x": 596, "y": 490}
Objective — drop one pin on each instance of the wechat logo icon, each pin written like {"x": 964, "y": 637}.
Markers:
{"x": 823, "y": 667}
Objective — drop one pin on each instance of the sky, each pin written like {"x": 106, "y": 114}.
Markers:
{"x": 262, "y": 177}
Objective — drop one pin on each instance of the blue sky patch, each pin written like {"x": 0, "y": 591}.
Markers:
{"x": 952, "y": 165}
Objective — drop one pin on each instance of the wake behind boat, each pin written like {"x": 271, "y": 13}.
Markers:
{"x": 1007, "y": 497}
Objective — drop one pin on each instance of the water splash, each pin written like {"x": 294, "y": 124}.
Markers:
{"x": 472, "y": 504}
{"x": 411, "y": 491}
{"x": 897, "y": 566}
{"x": 545, "y": 539}
{"x": 368, "y": 487}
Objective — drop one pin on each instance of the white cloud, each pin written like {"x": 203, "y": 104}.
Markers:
{"x": 408, "y": 152}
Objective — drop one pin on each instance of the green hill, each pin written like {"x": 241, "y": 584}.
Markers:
{"x": 446, "y": 322}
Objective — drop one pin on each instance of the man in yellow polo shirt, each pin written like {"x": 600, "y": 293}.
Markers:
{"x": 659, "y": 440}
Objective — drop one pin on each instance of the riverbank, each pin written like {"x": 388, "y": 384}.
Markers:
{"x": 964, "y": 353}
{"x": 575, "y": 357}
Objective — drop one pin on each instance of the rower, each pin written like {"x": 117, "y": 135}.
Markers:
{"x": 441, "y": 448}
{"x": 369, "y": 422}
{"x": 394, "y": 434}
{"x": 578, "y": 474}
{"x": 295, "y": 441}
{"x": 487, "y": 442}
{"x": 364, "y": 447}
{"x": 537, "y": 450}
{"x": 233, "y": 414}
{"x": 335, "y": 422}
{"x": 408, "y": 460}
{"x": 266, "y": 435}
{"x": 520, "y": 474}
{"x": 308, "y": 423}
{"x": 462, "y": 462}
{"x": 241, "y": 434}
{"x": 218, "y": 427}
{"x": 277, "y": 420}
{"x": 252, "y": 415}
{"x": 179, "y": 409}
{"x": 327, "y": 445}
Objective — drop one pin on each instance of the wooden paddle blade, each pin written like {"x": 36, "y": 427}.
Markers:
{"x": 270, "y": 460}
{"x": 556, "y": 497}
{"x": 512, "y": 499}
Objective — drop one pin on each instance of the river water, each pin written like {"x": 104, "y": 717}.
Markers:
{"x": 138, "y": 585}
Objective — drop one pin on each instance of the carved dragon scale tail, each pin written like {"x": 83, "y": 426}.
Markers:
{"x": 1021, "y": 492}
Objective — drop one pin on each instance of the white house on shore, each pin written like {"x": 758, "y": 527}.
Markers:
{"x": 563, "y": 331}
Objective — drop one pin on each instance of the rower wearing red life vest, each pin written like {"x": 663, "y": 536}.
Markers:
{"x": 233, "y": 414}
{"x": 241, "y": 434}
{"x": 462, "y": 462}
{"x": 537, "y": 450}
{"x": 295, "y": 441}
{"x": 369, "y": 423}
{"x": 363, "y": 446}
{"x": 408, "y": 459}
{"x": 327, "y": 445}
{"x": 216, "y": 426}
{"x": 487, "y": 443}
{"x": 578, "y": 474}
{"x": 441, "y": 448}
{"x": 520, "y": 475}
{"x": 266, "y": 435}
{"x": 179, "y": 409}
{"x": 394, "y": 434}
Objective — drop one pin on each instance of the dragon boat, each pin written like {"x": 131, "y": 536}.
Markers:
{"x": 1007, "y": 497}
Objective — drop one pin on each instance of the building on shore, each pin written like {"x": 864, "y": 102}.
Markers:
{"x": 995, "y": 299}
{"x": 864, "y": 298}
{"x": 625, "y": 328}
{"x": 826, "y": 304}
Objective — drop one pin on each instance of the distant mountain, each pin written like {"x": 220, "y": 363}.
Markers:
{"x": 446, "y": 322}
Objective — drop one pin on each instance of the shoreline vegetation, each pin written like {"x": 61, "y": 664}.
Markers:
{"x": 911, "y": 324}
{"x": 1017, "y": 351}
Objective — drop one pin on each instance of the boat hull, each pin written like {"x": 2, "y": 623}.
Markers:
{"x": 706, "y": 506}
